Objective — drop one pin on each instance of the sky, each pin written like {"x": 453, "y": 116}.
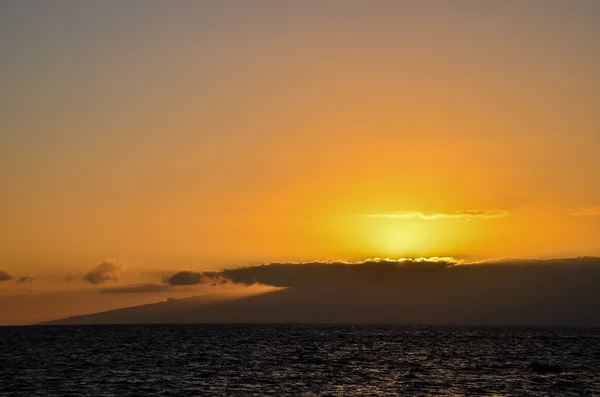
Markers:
{"x": 193, "y": 135}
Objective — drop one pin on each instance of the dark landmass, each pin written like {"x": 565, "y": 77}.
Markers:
{"x": 479, "y": 295}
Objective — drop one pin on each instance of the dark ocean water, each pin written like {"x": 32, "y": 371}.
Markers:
{"x": 298, "y": 360}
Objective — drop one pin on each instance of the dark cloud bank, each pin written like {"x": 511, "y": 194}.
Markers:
{"x": 438, "y": 291}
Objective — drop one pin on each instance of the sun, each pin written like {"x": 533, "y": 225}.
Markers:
{"x": 398, "y": 239}
{"x": 390, "y": 238}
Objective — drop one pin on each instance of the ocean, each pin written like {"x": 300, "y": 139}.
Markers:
{"x": 298, "y": 360}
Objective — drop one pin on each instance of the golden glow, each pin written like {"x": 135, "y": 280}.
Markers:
{"x": 297, "y": 131}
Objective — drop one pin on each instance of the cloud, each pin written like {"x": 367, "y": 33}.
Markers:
{"x": 25, "y": 279}
{"x": 377, "y": 272}
{"x": 433, "y": 216}
{"x": 594, "y": 210}
{"x": 5, "y": 276}
{"x": 106, "y": 271}
{"x": 137, "y": 289}
{"x": 571, "y": 263}
{"x": 312, "y": 273}
{"x": 186, "y": 277}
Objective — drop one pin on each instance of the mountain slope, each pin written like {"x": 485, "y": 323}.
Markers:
{"x": 459, "y": 306}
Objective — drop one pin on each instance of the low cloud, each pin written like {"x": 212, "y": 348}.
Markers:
{"x": 185, "y": 278}
{"x": 106, "y": 271}
{"x": 569, "y": 263}
{"x": 434, "y": 216}
{"x": 5, "y": 276}
{"x": 592, "y": 211}
{"x": 313, "y": 273}
{"x": 137, "y": 289}
{"x": 26, "y": 280}
{"x": 385, "y": 273}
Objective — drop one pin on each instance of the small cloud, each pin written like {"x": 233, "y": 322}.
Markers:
{"x": 25, "y": 280}
{"x": 5, "y": 276}
{"x": 433, "y": 216}
{"x": 106, "y": 271}
{"x": 593, "y": 210}
{"x": 185, "y": 278}
{"x": 137, "y": 289}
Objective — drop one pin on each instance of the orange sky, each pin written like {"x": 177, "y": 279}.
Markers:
{"x": 204, "y": 134}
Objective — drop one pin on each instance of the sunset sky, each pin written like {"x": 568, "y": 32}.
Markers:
{"x": 170, "y": 135}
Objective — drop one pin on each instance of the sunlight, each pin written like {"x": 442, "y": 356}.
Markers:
{"x": 397, "y": 239}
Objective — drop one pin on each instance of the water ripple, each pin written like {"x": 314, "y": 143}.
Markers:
{"x": 298, "y": 360}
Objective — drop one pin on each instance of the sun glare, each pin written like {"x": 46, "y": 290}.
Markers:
{"x": 397, "y": 239}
